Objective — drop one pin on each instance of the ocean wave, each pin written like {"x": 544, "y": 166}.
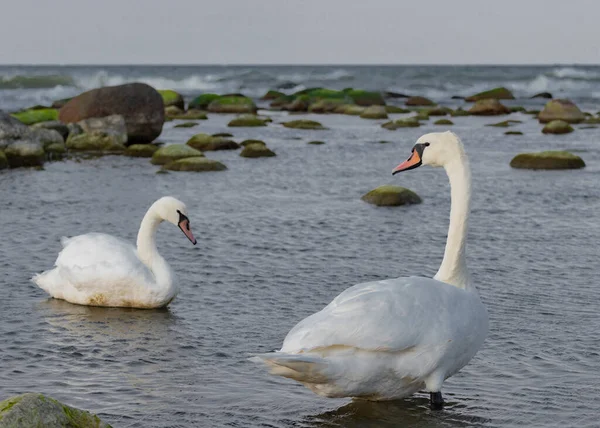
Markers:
{"x": 192, "y": 82}
{"x": 35, "y": 81}
{"x": 299, "y": 77}
{"x": 575, "y": 73}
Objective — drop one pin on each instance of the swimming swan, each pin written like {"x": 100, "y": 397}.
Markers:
{"x": 100, "y": 270}
{"x": 388, "y": 339}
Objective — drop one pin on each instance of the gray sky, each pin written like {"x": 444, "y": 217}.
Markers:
{"x": 299, "y": 31}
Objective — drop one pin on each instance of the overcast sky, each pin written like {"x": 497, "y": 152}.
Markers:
{"x": 299, "y": 31}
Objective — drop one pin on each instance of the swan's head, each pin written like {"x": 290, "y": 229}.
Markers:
{"x": 174, "y": 211}
{"x": 435, "y": 149}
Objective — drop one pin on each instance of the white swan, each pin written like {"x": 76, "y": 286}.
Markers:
{"x": 100, "y": 270}
{"x": 385, "y": 340}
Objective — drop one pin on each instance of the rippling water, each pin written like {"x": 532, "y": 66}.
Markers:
{"x": 278, "y": 238}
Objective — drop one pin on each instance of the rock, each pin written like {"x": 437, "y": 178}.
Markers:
{"x": 391, "y": 196}
{"x": 543, "y": 95}
{"x": 390, "y": 94}
{"x": 547, "y": 160}
{"x": 365, "y": 98}
{"x": 326, "y": 105}
{"x": 517, "y": 109}
{"x": 23, "y": 153}
{"x": 194, "y": 164}
{"x": 488, "y": 107}
{"x": 282, "y": 101}
{"x": 592, "y": 121}
{"x": 316, "y": 143}
{"x": 459, "y": 112}
{"x": 504, "y": 124}
{"x": 58, "y": 104}
{"x": 60, "y": 127}
{"x": 11, "y": 129}
{"x": 557, "y": 127}
{"x": 173, "y": 152}
{"x": 96, "y": 141}
{"x": 3, "y": 161}
{"x": 173, "y": 111}
{"x": 37, "y": 410}
{"x": 374, "y": 112}
{"x": 496, "y": 94}
{"x": 139, "y": 104}
{"x": 110, "y": 125}
{"x": 561, "y": 110}
{"x": 409, "y": 122}
{"x": 272, "y": 95}
{"x": 48, "y": 137}
{"x": 190, "y": 115}
{"x": 443, "y": 122}
{"x": 141, "y": 150}
{"x": 438, "y": 111}
{"x": 350, "y": 109}
{"x": 222, "y": 134}
{"x": 29, "y": 117}
{"x": 232, "y": 104}
{"x": 186, "y": 125}
{"x": 205, "y": 142}
{"x": 419, "y": 101}
{"x": 396, "y": 109}
{"x": 457, "y": 97}
{"x": 422, "y": 115}
{"x": 513, "y": 133}
{"x": 55, "y": 151}
{"x": 299, "y": 104}
{"x": 303, "y": 124}
{"x": 172, "y": 98}
{"x": 256, "y": 151}
{"x": 201, "y": 102}
{"x": 248, "y": 142}
{"x": 247, "y": 120}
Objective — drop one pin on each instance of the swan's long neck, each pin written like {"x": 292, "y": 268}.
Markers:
{"x": 147, "y": 252}
{"x": 454, "y": 266}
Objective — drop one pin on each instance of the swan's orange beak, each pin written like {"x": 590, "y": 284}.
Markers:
{"x": 412, "y": 162}
{"x": 184, "y": 225}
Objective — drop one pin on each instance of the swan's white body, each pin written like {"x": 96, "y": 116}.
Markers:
{"x": 387, "y": 339}
{"x": 100, "y": 270}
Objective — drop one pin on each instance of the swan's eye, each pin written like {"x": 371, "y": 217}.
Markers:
{"x": 426, "y": 144}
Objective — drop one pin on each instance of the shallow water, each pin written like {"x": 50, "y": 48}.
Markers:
{"x": 278, "y": 238}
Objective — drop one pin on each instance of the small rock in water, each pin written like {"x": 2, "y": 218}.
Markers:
{"x": 557, "y": 127}
{"x": 171, "y": 98}
{"x": 256, "y": 151}
{"x": 496, "y": 94}
{"x": 247, "y": 120}
{"x": 303, "y": 124}
{"x": 316, "y": 143}
{"x": 374, "y": 112}
{"x": 205, "y": 142}
{"x": 141, "y": 150}
{"x": 391, "y": 196}
{"x": 186, "y": 125}
{"x": 564, "y": 110}
{"x": 504, "y": 124}
{"x": 513, "y": 133}
{"x": 547, "y": 160}
{"x": 443, "y": 122}
{"x": 543, "y": 95}
{"x": 222, "y": 134}
{"x": 248, "y": 142}
{"x": 488, "y": 107}
{"x": 419, "y": 101}
{"x": 174, "y": 152}
{"x": 195, "y": 164}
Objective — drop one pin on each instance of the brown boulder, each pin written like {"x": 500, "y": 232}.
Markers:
{"x": 561, "y": 110}
{"x": 141, "y": 106}
{"x": 489, "y": 107}
{"x": 419, "y": 101}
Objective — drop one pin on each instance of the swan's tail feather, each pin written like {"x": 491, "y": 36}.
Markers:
{"x": 47, "y": 281}
{"x": 300, "y": 367}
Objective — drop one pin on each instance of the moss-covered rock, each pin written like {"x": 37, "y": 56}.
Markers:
{"x": 438, "y": 111}
{"x": 194, "y": 164}
{"x": 561, "y": 110}
{"x": 257, "y": 151}
{"x": 282, "y": 101}
{"x": 56, "y": 151}
{"x": 592, "y": 121}
{"x": 316, "y": 94}
{"x": 173, "y": 111}
{"x": 36, "y": 410}
{"x": 201, "y": 102}
{"x": 350, "y": 109}
{"x": 248, "y": 142}
{"x": 391, "y": 196}
{"x": 316, "y": 143}
{"x": 459, "y": 112}
{"x": 3, "y": 161}
{"x": 272, "y": 95}
{"x": 396, "y": 109}
{"x": 504, "y": 123}
{"x": 365, "y": 98}
{"x": 374, "y": 112}
{"x": 326, "y": 105}
{"x": 96, "y": 141}
{"x": 247, "y": 120}
{"x": 513, "y": 133}
{"x": 141, "y": 150}
{"x": 55, "y": 125}
{"x": 205, "y": 142}
{"x": 419, "y": 101}
{"x": 409, "y": 122}
{"x": 191, "y": 114}
{"x": 443, "y": 122}
{"x": 488, "y": 107}
{"x": 547, "y": 160}
{"x": 172, "y": 98}
{"x": 23, "y": 153}
{"x": 232, "y": 104}
{"x": 29, "y": 117}
{"x": 173, "y": 152}
{"x": 186, "y": 125}
{"x": 496, "y": 94}
{"x": 303, "y": 124}
{"x": 557, "y": 127}
{"x": 47, "y": 137}
{"x": 223, "y": 134}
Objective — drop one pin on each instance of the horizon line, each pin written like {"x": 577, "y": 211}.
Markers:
{"x": 149, "y": 64}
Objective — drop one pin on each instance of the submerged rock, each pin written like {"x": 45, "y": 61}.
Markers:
{"x": 247, "y": 120}
{"x": 36, "y": 410}
{"x": 96, "y": 141}
{"x": 409, "y": 122}
{"x": 232, "y": 104}
{"x": 496, "y": 94}
{"x": 504, "y": 124}
{"x": 248, "y": 142}
{"x": 186, "y": 125}
{"x": 557, "y": 127}
{"x": 173, "y": 152}
{"x": 303, "y": 124}
{"x": 374, "y": 112}
{"x": 513, "y": 133}
{"x": 257, "y": 151}
{"x": 547, "y": 160}
{"x": 195, "y": 164}
{"x": 205, "y": 142}
{"x": 561, "y": 110}
{"x": 391, "y": 196}
{"x": 316, "y": 143}
{"x": 488, "y": 107}
{"x": 29, "y": 117}
{"x": 443, "y": 122}
{"x": 419, "y": 101}
{"x": 141, "y": 150}
{"x": 172, "y": 98}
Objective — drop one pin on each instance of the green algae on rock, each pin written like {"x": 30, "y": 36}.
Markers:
{"x": 443, "y": 122}
{"x": 171, "y": 98}
{"x": 303, "y": 124}
{"x": 247, "y": 120}
{"x": 409, "y": 122}
{"x": 459, "y": 112}
{"x": 96, "y": 141}
{"x": 391, "y": 196}
{"x": 504, "y": 123}
{"x": 488, "y": 107}
{"x": 174, "y": 152}
{"x": 232, "y": 104}
{"x": 201, "y": 102}
{"x": 29, "y": 117}
{"x": 547, "y": 160}
{"x": 557, "y": 127}
{"x": 205, "y": 142}
{"x": 256, "y": 151}
{"x": 194, "y": 164}
{"x": 141, "y": 150}
{"x": 496, "y": 93}
{"x": 365, "y": 98}
{"x": 374, "y": 112}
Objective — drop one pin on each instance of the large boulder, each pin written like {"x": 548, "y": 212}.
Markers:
{"x": 140, "y": 105}
{"x": 172, "y": 98}
{"x": 37, "y": 410}
{"x": 173, "y": 152}
{"x": 391, "y": 196}
{"x": 419, "y": 101}
{"x": 232, "y": 104}
{"x": 194, "y": 164}
{"x": 489, "y": 107}
{"x": 496, "y": 94}
{"x": 561, "y": 110}
{"x": 11, "y": 129}
{"x": 547, "y": 160}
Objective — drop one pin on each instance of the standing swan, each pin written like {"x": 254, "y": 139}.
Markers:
{"x": 100, "y": 270}
{"x": 388, "y": 339}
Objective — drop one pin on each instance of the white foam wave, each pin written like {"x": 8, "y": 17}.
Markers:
{"x": 192, "y": 82}
{"x": 575, "y": 73}
{"x": 339, "y": 74}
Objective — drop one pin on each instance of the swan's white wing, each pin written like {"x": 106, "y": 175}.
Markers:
{"x": 94, "y": 259}
{"x": 390, "y": 315}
